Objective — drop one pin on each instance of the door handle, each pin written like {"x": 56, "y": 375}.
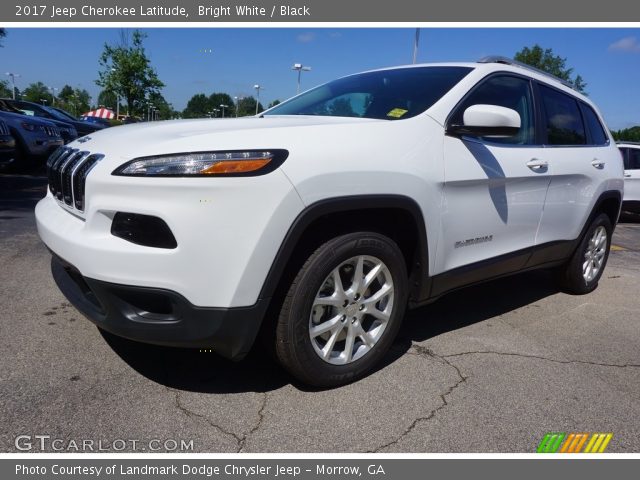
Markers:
{"x": 537, "y": 165}
{"x": 599, "y": 164}
{"x": 627, "y": 175}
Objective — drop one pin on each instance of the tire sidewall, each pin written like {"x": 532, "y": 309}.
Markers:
{"x": 600, "y": 220}
{"x": 334, "y": 253}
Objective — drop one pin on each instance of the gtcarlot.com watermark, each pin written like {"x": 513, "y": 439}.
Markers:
{"x": 47, "y": 443}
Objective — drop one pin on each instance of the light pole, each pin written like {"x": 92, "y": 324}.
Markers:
{"x": 215, "y": 112}
{"x": 258, "y": 88}
{"x": 13, "y": 82}
{"x": 237, "y": 99}
{"x": 300, "y": 68}
{"x": 53, "y": 95}
{"x": 44, "y": 101}
{"x": 223, "y": 106}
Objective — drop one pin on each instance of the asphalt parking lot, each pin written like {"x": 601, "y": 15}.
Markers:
{"x": 487, "y": 369}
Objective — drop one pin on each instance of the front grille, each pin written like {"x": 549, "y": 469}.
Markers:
{"x": 52, "y": 131}
{"x": 4, "y": 130}
{"x": 67, "y": 170}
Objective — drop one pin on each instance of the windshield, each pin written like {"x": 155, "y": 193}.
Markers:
{"x": 61, "y": 114}
{"x": 386, "y": 94}
{"x": 56, "y": 114}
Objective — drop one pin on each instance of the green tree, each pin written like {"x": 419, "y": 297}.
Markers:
{"x": 36, "y": 92}
{"x": 127, "y": 71}
{"x": 165, "y": 109}
{"x": 274, "y": 103}
{"x": 627, "y": 134}
{"x": 198, "y": 106}
{"x": 3, "y": 33}
{"x": 217, "y": 99}
{"x": 545, "y": 60}
{"x": 107, "y": 98}
{"x": 5, "y": 89}
{"x": 247, "y": 107}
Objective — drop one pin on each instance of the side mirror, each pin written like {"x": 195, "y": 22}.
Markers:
{"x": 487, "y": 121}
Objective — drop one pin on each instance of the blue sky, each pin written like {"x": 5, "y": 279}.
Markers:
{"x": 608, "y": 59}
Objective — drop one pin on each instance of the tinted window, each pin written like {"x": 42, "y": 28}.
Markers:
{"x": 633, "y": 159}
{"x": 504, "y": 91}
{"x": 387, "y": 94}
{"x": 562, "y": 117}
{"x": 598, "y": 137}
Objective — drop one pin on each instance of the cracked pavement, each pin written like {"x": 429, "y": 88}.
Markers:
{"x": 491, "y": 368}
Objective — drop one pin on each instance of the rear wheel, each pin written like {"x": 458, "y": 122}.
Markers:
{"x": 343, "y": 310}
{"x": 582, "y": 273}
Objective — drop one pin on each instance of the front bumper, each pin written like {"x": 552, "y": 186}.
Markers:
{"x": 158, "y": 316}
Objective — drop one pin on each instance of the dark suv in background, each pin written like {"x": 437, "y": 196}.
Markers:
{"x": 7, "y": 145}
{"x": 67, "y": 130}
{"x": 35, "y": 138}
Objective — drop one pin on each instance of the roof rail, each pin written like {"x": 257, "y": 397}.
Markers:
{"x": 510, "y": 61}
{"x": 626, "y": 142}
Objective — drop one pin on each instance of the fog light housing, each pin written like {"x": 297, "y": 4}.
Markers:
{"x": 145, "y": 230}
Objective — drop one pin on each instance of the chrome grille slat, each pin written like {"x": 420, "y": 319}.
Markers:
{"x": 67, "y": 170}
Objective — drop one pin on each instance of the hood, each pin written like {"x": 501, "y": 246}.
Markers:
{"x": 155, "y": 138}
{"x": 22, "y": 118}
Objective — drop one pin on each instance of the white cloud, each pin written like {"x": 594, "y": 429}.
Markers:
{"x": 626, "y": 44}
{"x": 306, "y": 37}
{"x": 335, "y": 35}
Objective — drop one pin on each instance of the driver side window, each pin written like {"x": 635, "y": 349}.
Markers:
{"x": 509, "y": 92}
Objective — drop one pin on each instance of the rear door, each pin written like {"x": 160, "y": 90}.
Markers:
{"x": 580, "y": 159}
{"x": 494, "y": 187}
{"x": 632, "y": 176}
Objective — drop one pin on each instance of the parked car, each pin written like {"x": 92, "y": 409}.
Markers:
{"x": 103, "y": 122}
{"x": 83, "y": 126}
{"x": 35, "y": 138}
{"x": 319, "y": 221}
{"x": 631, "y": 158}
{"x": 67, "y": 130}
{"x": 7, "y": 145}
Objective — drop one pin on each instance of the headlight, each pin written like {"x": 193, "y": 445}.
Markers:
{"x": 29, "y": 126}
{"x": 205, "y": 164}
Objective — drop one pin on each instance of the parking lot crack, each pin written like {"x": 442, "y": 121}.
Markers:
{"x": 422, "y": 351}
{"x": 243, "y": 440}
{"x": 192, "y": 414}
{"x": 540, "y": 357}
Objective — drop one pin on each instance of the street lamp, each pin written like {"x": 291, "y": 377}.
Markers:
{"x": 13, "y": 81}
{"x": 237, "y": 99}
{"x": 300, "y": 68}
{"x": 53, "y": 95}
{"x": 223, "y": 106}
{"x": 258, "y": 88}
{"x": 44, "y": 101}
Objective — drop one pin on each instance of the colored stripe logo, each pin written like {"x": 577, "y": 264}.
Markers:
{"x": 556, "y": 442}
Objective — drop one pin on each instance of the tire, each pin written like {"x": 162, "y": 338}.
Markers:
{"x": 592, "y": 252}
{"x": 363, "y": 325}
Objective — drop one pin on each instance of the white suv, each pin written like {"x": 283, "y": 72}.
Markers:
{"x": 317, "y": 222}
{"x": 631, "y": 158}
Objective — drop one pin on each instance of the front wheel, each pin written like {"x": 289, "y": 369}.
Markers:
{"x": 343, "y": 310}
{"x": 582, "y": 273}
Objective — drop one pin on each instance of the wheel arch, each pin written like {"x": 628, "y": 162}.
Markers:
{"x": 396, "y": 216}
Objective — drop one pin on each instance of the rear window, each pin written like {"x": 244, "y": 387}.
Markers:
{"x": 632, "y": 159}
{"x": 562, "y": 118}
{"x": 598, "y": 137}
{"x": 389, "y": 94}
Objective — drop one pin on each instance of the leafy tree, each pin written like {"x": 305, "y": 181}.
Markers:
{"x": 627, "y": 134}
{"x": 3, "y": 33}
{"x": 127, "y": 71}
{"x": 545, "y": 60}
{"x": 274, "y": 103}
{"x": 247, "y": 107}
{"x": 107, "y": 98}
{"x": 5, "y": 89}
{"x": 165, "y": 109}
{"x": 36, "y": 92}
{"x": 217, "y": 99}
{"x": 197, "y": 107}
